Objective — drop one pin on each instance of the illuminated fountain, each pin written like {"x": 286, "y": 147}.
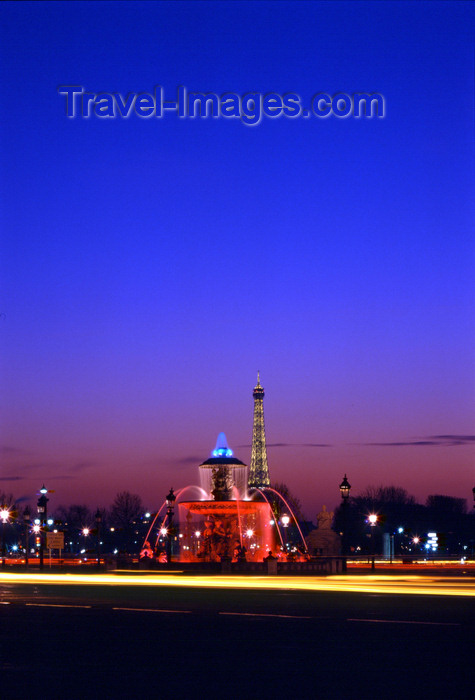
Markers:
{"x": 227, "y": 524}
{"x": 233, "y": 518}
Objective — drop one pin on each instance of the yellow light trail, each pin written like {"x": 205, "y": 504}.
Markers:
{"x": 413, "y": 585}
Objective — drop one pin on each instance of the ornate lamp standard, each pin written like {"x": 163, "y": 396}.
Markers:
{"x": 42, "y": 507}
{"x": 345, "y": 487}
{"x": 98, "y": 517}
{"x": 171, "y": 498}
{"x": 4, "y": 515}
{"x": 26, "y": 520}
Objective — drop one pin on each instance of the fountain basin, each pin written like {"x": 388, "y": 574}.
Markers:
{"x": 213, "y": 530}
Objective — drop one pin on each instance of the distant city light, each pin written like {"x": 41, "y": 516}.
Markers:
{"x": 50, "y": 521}
{"x": 400, "y": 530}
{"x": 197, "y": 534}
{"x": 147, "y": 515}
{"x": 36, "y": 528}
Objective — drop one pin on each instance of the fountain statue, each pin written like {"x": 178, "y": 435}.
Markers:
{"x": 229, "y": 525}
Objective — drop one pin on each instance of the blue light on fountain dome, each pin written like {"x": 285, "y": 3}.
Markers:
{"x": 222, "y": 449}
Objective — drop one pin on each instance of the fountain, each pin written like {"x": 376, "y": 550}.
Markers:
{"x": 227, "y": 525}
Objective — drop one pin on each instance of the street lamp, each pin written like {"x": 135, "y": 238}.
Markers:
{"x": 42, "y": 507}
{"x": 26, "y": 520}
{"x": 170, "y": 499}
{"x": 285, "y": 520}
{"x": 345, "y": 487}
{"x": 98, "y": 517}
{"x": 197, "y": 536}
{"x": 4, "y": 515}
{"x": 372, "y": 519}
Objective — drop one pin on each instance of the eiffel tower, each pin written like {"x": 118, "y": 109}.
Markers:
{"x": 259, "y": 470}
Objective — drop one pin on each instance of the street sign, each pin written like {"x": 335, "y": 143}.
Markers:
{"x": 55, "y": 540}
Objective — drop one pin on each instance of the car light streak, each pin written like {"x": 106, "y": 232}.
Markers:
{"x": 56, "y": 605}
{"x": 413, "y": 585}
{"x": 153, "y": 610}
{"x": 404, "y": 622}
{"x": 293, "y": 617}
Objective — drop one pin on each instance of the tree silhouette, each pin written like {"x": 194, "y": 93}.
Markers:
{"x": 294, "y": 502}
{"x": 7, "y": 499}
{"x": 125, "y": 512}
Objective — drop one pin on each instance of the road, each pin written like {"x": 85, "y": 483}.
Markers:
{"x": 181, "y": 636}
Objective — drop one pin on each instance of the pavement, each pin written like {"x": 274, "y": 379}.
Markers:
{"x": 175, "y": 636}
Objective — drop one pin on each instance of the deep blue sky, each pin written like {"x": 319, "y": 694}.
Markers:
{"x": 150, "y": 267}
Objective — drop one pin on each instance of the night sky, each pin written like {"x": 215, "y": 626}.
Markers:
{"x": 150, "y": 267}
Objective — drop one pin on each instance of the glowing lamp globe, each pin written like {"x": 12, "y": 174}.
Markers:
{"x": 345, "y": 487}
{"x": 171, "y": 498}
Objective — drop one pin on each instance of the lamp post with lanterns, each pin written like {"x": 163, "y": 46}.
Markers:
{"x": 42, "y": 507}
{"x": 170, "y": 499}
{"x": 4, "y": 515}
{"x": 85, "y": 532}
{"x": 26, "y": 521}
{"x": 373, "y": 521}
{"x": 98, "y": 518}
{"x": 345, "y": 488}
{"x": 285, "y": 520}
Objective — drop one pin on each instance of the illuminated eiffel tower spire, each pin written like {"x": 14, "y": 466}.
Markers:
{"x": 259, "y": 470}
